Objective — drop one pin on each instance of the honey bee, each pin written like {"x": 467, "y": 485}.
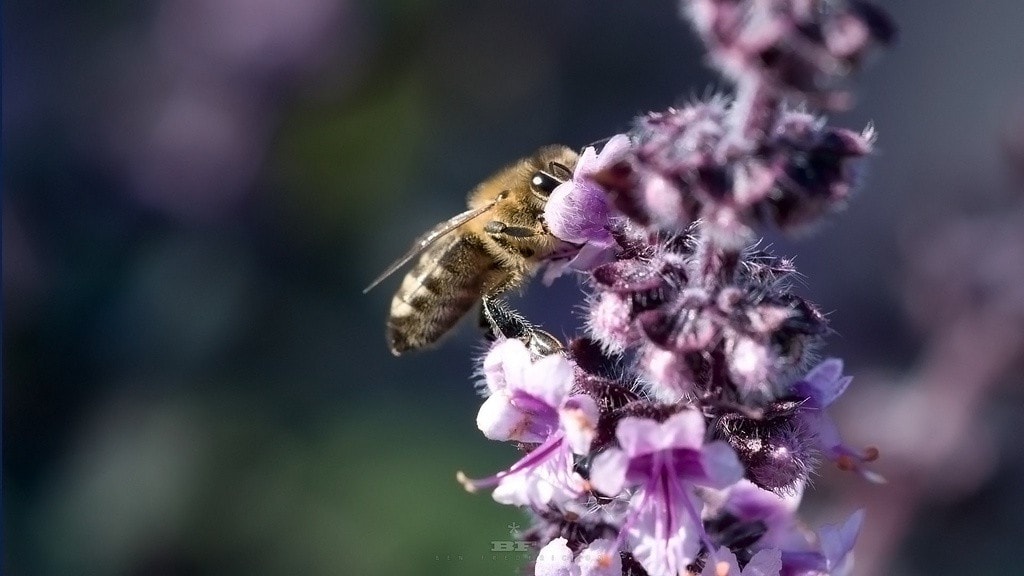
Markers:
{"x": 492, "y": 248}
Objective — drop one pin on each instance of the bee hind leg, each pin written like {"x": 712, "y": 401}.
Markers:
{"x": 498, "y": 321}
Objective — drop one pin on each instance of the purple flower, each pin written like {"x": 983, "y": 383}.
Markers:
{"x": 774, "y": 517}
{"x": 529, "y": 402}
{"x": 578, "y": 211}
{"x": 664, "y": 461}
{"x": 832, "y": 553}
{"x": 822, "y": 386}
{"x": 600, "y": 558}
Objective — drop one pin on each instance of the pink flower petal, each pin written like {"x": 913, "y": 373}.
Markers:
{"x": 682, "y": 430}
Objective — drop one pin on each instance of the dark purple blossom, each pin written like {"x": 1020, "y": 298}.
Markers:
{"x": 655, "y": 303}
{"x": 776, "y": 448}
{"x": 684, "y": 168}
{"x": 800, "y": 47}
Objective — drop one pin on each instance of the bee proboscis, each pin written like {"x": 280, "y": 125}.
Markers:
{"x": 492, "y": 248}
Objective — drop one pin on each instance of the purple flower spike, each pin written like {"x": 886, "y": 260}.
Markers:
{"x": 676, "y": 435}
{"x": 693, "y": 164}
{"x": 529, "y": 402}
{"x": 578, "y": 211}
{"x": 792, "y": 45}
{"x": 664, "y": 460}
{"x": 822, "y": 386}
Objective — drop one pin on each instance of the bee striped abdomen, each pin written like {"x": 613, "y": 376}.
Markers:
{"x": 442, "y": 286}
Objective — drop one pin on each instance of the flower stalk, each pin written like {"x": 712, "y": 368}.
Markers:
{"x": 677, "y": 435}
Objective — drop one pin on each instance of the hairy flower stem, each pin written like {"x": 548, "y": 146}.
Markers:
{"x": 715, "y": 264}
{"x": 751, "y": 117}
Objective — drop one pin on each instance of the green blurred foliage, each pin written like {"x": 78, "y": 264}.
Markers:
{"x": 341, "y": 161}
{"x": 200, "y": 484}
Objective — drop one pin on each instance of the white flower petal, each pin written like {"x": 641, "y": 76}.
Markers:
{"x": 601, "y": 558}
{"x": 723, "y": 563}
{"x": 664, "y": 541}
{"x": 504, "y": 364}
{"x": 549, "y": 379}
{"x": 499, "y": 420}
{"x": 614, "y": 149}
{"x": 555, "y": 559}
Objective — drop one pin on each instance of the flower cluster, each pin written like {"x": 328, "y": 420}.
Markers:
{"x": 800, "y": 47}
{"x": 678, "y": 434}
{"x": 685, "y": 166}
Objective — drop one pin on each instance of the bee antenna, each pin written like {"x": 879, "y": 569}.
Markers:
{"x": 595, "y": 143}
{"x": 559, "y": 167}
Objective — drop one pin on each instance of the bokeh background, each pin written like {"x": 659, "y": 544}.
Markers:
{"x": 196, "y": 191}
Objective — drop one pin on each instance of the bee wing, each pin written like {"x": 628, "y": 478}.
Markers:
{"x": 424, "y": 241}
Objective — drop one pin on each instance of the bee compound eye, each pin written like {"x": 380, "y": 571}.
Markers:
{"x": 544, "y": 183}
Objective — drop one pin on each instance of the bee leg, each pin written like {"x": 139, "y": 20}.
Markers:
{"x": 498, "y": 228}
{"x": 543, "y": 225}
{"x": 500, "y": 321}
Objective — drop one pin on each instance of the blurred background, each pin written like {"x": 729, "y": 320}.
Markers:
{"x": 196, "y": 191}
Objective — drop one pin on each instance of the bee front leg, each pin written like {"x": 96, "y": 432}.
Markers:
{"x": 498, "y": 228}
